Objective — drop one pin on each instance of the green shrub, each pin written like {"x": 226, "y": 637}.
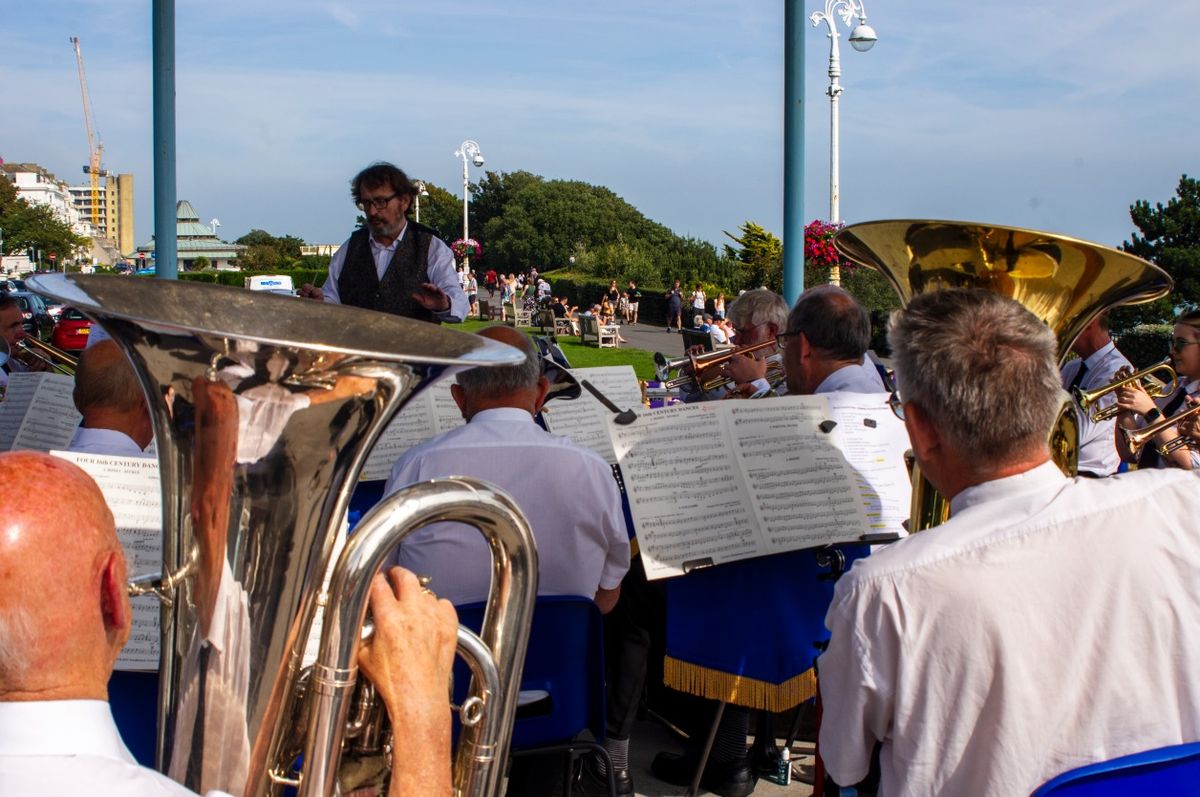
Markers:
{"x": 1145, "y": 345}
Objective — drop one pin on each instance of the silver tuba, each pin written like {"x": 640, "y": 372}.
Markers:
{"x": 264, "y": 409}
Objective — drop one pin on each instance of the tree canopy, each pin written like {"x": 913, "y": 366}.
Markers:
{"x": 1170, "y": 238}
{"x": 28, "y": 226}
{"x": 266, "y": 252}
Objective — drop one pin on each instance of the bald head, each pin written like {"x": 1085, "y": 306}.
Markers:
{"x": 64, "y": 614}
{"x": 521, "y": 386}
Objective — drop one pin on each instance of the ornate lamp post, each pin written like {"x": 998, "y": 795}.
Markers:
{"x": 468, "y": 150}
{"x": 862, "y": 38}
{"x": 420, "y": 186}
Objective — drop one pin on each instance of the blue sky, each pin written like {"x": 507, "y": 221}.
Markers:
{"x": 1053, "y": 116}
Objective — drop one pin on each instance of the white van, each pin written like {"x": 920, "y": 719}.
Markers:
{"x": 275, "y": 283}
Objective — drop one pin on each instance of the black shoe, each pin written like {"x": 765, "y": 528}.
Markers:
{"x": 591, "y": 782}
{"x": 728, "y": 779}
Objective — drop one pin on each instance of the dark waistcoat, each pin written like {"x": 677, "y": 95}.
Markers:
{"x": 359, "y": 285}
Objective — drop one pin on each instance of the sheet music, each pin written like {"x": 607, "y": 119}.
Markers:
{"x": 431, "y": 412}
{"x": 585, "y": 420}
{"x": 38, "y": 412}
{"x": 878, "y": 456}
{"x": 728, "y": 480}
{"x": 131, "y": 488}
{"x": 803, "y": 490}
{"x": 688, "y": 500}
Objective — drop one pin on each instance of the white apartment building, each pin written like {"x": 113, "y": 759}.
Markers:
{"x": 38, "y": 186}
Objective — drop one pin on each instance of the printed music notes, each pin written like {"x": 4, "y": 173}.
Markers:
{"x": 585, "y": 420}
{"x": 131, "y": 488}
{"x": 431, "y": 412}
{"x": 38, "y": 413}
{"x": 729, "y": 480}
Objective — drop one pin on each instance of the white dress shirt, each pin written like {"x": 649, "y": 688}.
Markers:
{"x": 566, "y": 491}
{"x": 105, "y": 441}
{"x": 440, "y": 266}
{"x": 1097, "y": 451}
{"x": 861, "y": 378}
{"x": 65, "y": 748}
{"x": 1050, "y": 623}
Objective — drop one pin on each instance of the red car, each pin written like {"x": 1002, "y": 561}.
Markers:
{"x": 72, "y": 330}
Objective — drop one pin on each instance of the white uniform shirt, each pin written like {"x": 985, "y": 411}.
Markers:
{"x": 861, "y": 378}
{"x": 1097, "y": 452}
{"x": 440, "y": 266}
{"x": 1050, "y": 623}
{"x": 567, "y": 492}
{"x": 64, "y": 748}
{"x": 105, "y": 441}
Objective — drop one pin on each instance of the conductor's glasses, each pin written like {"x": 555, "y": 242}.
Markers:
{"x": 378, "y": 203}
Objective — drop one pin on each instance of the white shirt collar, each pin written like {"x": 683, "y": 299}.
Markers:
{"x": 1045, "y": 475}
{"x": 1098, "y": 355}
{"x": 502, "y": 414}
{"x": 61, "y": 727}
{"x": 376, "y": 246}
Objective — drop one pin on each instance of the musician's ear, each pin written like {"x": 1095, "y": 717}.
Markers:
{"x": 460, "y": 398}
{"x": 114, "y": 597}
{"x": 543, "y": 387}
{"x": 922, "y": 434}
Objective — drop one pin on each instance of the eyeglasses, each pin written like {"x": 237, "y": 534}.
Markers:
{"x": 894, "y": 401}
{"x": 781, "y": 340}
{"x": 1178, "y": 344}
{"x": 378, "y": 203}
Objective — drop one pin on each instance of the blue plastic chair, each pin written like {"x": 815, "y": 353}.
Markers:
{"x": 1166, "y": 770}
{"x": 565, "y": 659}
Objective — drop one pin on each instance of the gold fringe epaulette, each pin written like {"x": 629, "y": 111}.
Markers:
{"x": 739, "y": 689}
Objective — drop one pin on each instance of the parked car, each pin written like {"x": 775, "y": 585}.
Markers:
{"x": 72, "y": 331}
{"x": 54, "y": 308}
{"x": 37, "y": 320}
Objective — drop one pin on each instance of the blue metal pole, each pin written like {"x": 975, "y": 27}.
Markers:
{"x": 166, "y": 263}
{"x": 793, "y": 150}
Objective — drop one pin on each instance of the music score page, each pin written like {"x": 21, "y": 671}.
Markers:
{"x": 38, "y": 412}
{"x": 131, "y": 488}
{"x": 719, "y": 481}
{"x": 585, "y": 420}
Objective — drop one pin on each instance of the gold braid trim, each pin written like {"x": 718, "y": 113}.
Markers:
{"x": 739, "y": 689}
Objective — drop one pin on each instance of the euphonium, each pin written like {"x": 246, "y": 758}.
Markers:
{"x": 706, "y": 368}
{"x": 1154, "y": 386}
{"x": 264, "y": 409}
{"x": 1064, "y": 281}
{"x": 1137, "y": 438}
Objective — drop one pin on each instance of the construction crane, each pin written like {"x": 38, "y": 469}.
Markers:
{"x": 95, "y": 145}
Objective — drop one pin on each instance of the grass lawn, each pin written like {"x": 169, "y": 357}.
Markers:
{"x": 581, "y": 356}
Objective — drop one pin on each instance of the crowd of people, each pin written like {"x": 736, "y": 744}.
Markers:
{"x": 1045, "y": 625}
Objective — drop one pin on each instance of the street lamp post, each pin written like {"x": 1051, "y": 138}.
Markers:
{"x": 862, "y": 38}
{"x": 420, "y": 186}
{"x": 470, "y": 153}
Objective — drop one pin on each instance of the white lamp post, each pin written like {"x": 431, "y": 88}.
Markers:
{"x": 862, "y": 38}
{"x": 470, "y": 153}
{"x": 420, "y": 186}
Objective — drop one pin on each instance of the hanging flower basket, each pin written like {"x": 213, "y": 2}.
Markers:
{"x": 819, "y": 250}
{"x": 466, "y": 247}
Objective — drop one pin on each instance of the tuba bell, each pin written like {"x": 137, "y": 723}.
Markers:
{"x": 264, "y": 410}
{"x": 1063, "y": 281}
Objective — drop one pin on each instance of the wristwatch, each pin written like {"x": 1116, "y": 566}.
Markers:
{"x": 1153, "y": 415}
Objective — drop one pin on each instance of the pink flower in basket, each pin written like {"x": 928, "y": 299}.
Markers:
{"x": 466, "y": 247}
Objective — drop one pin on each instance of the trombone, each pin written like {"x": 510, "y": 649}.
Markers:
{"x": 1137, "y": 438}
{"x": 706, "y": 368}
{"x": 54, "y": 358}
{"x": 1154, "y": 386}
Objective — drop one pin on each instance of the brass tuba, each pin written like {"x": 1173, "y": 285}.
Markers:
{"x": 1064, "y": 281}
{"x": 264, "y": 409}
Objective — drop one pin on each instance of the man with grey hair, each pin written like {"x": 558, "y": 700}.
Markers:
{"x": 108, "y": 395}
{"x": 567, "y": 492}
{"x": 1048, "y": 623}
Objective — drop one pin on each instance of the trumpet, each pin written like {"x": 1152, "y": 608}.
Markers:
{"x": 52, "y": 357}
{"x": 1137, "y": 438}
{"x": 1154, "y": 386}
{"x": 706, "y": 368}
